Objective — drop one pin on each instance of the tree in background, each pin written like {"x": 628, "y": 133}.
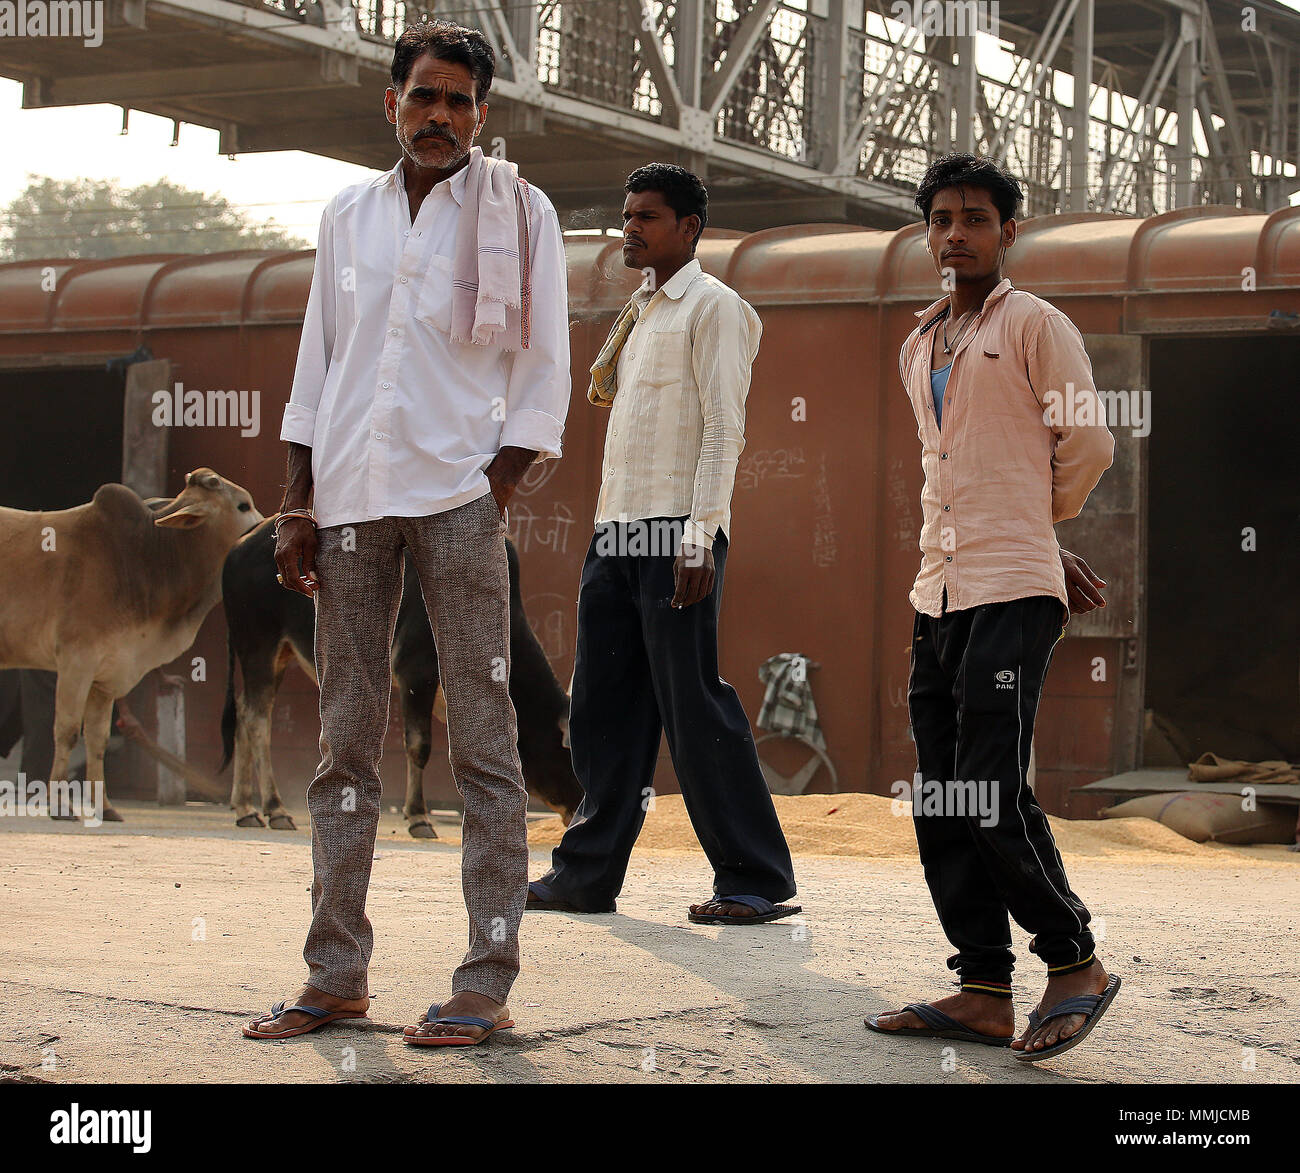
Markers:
{"x": 89, "y": 219}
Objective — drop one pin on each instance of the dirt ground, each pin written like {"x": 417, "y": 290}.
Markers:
{"x": 133, "y": 952}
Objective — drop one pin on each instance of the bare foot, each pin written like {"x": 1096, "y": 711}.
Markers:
{"x": 1056, "y": 1030}
{"x": 978, "y": 1012}
{"x": 307, "y": 996}
{"x": 466, "y": 1004}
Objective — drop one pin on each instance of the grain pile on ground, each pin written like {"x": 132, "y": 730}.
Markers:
{"x": 873, "y": 827}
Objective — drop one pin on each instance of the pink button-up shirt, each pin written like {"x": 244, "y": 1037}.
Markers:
{"x": 1024, "y": 441}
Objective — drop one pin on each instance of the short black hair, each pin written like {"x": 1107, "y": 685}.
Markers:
{"x": 683, "y": 191}
{"x": 447, "y": 42}
{"x": 958, "y": 170}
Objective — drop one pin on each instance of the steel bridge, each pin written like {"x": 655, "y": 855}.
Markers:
{"x": 793, "y": 110}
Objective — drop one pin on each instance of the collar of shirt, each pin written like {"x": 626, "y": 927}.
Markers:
{"x": 1002, "y": 287}
{"x": 674, "y": 287}
{"x": 455, "y": 183}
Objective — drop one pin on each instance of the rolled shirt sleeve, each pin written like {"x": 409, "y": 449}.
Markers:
{"x": 724, "y": 343}
{"x": 1061, "y": 376}
{"x": 316, "y": 346}
{"x": 539, "y": 382}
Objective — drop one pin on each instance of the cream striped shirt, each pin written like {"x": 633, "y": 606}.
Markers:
{"x": 677, "y": 425}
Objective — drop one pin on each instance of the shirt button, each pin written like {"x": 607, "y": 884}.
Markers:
{"x": 948, "y": 558}
{"x": 387, "y": 385}
{"x": 943, "y": 456}
{"x": 406, "y": 234}
{"x": 394, "y": 332}
{"x": 379, "y": 435}
{"x": 404, "y": 280}
{"x": 946, "y": 508}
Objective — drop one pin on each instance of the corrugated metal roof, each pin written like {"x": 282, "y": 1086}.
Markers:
{"x": 1082, "y": 253}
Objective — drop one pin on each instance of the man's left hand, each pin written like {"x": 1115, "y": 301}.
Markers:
{"x": 1081, "y": 584}
{"x": 505, "y": 471}
{"x": 693, "y": 575}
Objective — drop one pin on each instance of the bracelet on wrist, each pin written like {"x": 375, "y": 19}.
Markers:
{"x": 305, "y": 514}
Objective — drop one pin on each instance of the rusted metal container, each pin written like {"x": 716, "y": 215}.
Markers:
{"x": 1193, "y": 528}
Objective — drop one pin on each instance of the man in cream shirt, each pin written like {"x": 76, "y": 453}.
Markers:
{"x": 676, "y": 369}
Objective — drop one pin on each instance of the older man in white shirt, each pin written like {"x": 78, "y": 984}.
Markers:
{"x": 433, "y": 370}
{"x": 674, "y": 373}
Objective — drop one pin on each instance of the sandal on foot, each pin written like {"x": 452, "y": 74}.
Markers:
{"x": 764, "y": 911}
{"x": 432, "y": 1018}
{"x": 1092, "y": 1006}
{"x": 322, "y": 1016}
{"x": 938, "y": 1025}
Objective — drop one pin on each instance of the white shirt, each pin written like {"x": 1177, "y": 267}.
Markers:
{"x": 402, "y": 421}
{"x": 677, "y": 424}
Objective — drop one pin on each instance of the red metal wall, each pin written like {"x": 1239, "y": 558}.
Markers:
{"x": 826, "y": 508}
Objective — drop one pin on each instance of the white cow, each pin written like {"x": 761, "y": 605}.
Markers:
{"x": 107, "y": 591}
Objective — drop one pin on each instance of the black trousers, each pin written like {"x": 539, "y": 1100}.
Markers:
{"x": 643, "y": 668}
{"x": 985, "y": 844}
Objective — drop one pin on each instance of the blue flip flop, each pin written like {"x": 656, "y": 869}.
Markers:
{"x": 322, "y": 1018}
{"x": 764, "y": 911}
{"x": 485, "y": 1024}
{"x": 1091, "y": 1005}
{"x": 938, "y": 1025}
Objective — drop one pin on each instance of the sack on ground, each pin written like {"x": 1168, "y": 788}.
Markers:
{"x": 1217, "y": 817}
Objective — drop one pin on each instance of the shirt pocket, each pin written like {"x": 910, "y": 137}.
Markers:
{"x": 663, "y": 358}
{"x": 434, "y": 304}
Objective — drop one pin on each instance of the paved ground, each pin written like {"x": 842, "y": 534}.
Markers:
{"x": 134, "y": 952}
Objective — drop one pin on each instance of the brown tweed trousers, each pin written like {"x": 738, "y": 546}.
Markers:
{"x": 460, "y": 556}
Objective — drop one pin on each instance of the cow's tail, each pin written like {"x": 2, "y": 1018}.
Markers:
{"x": 229, "y": 714}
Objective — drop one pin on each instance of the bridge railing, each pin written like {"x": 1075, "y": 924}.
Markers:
{"x": 882, "y": 116}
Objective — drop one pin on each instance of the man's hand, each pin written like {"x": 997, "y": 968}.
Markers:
{"x": 1081, "y": 584}
{"x": 505, "y": 471}
{"x": 693, "y": 575}
{"x": 295, "y": 556}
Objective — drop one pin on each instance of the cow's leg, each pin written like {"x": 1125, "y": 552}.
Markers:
{"x": 417, "y": 727}
{"x": 272, "y": 807}
{"x": 70, "y": 694}
{"x": 241, "y": 786}
{"x": 252, "y": 732}
{"x": 99, "y": 718}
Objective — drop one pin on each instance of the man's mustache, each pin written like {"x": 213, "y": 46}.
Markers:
{"x": 423, "y": 134}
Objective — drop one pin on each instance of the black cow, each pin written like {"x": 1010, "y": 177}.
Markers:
{"x": 269, "y": 626}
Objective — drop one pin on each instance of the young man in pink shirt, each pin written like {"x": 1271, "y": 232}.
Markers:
{"x": 983, "y": 370}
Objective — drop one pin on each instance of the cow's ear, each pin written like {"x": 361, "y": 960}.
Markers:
{"x": 186, "y": 518}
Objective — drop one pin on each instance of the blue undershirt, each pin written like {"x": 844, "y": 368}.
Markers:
{"x": 938, "y": 385}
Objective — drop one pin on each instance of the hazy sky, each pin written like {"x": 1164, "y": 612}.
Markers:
{"x": 289, "y": 186}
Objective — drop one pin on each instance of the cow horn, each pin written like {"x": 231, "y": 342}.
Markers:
{"x": 186, "y": 517}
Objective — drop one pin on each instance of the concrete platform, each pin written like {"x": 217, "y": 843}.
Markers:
{"x": 135, "y": 952}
